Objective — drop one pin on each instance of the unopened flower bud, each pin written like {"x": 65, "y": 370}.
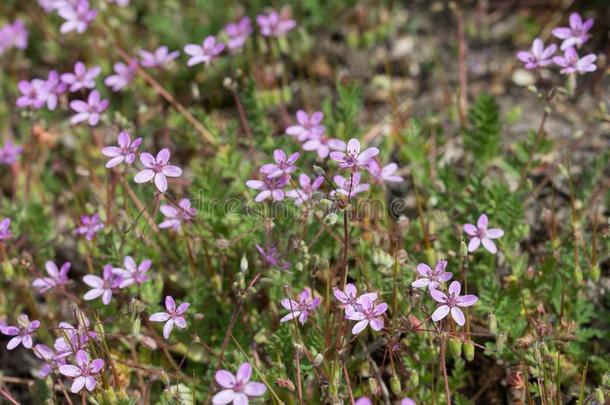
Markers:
{"x": 469, "y": 351}
{"x": 365, "y": 369}
{"x": 331, "y": 219}
{"x": 500, "y": 341}
{"x": 298, "y": 266}
{"x": 318, "y": 170}
{"x": 318, "y": 360}
{"x": 493, "y": 324}
{"x": 373, "y": 386}
{"x": 164, "y": 377}
{"x": 455, "y": 347}
{"x": 243, "y": 265}
{"x": 599, "y": 396}
{"x": 463, "y": 249}
{"x": 595, "y": 273}
{"x": 395, "y": 385}
{"x": 414, "y": 378}
{"x": 136, "y": 327}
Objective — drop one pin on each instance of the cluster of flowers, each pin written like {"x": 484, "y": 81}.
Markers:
{"x": 572, "y": 37}
{"x": 361, "y": 308}
{"x": 13, "y": 35}
{"x": 9, "y": 153}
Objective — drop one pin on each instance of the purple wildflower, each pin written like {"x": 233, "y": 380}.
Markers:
{"x": 349, "y": 186}
{"x": 323, "y": 145}
{"x": 238, "y": 33}
{"x": 283, "y": 165}
{"x": 479, "y": 234}
{"x": 307, "y": 189}
{"x": 54, "y": 88}
{"x": 57, "y": 277}
{"x": 157, "y": 169}
{"x": 5, "y": 230}
{"x": 237, "y": 388}
{"x": 125, "y": 152}
{"x": 89, "y": 110}
{"x": 124, "y": 74}
{"x": 354, "y": 159}
{"x": 576, "y": 34}
{"x": 385, "y": 173}
{"x": 173, "y": 316}
{"x": 366, "y": 312}
{"x": 204, "y": 53}
{"x": 102, "y": 287}
{"x": 33, "y": 93}
{"x": 84, "y": 373}
{"x": 269, "y": 188}
{"x": 451, "y": 303}
{"x": 349, "y": 297}
{"x": 309, "y": 126}
{"x": 271, "y": 256}
{"x": 22, "y": 333}
{"x": 161, "y": 56}
{"x": 9, "y": 153}
{"x": 407, "y": 401}
{"x": 133, "y": 273}
{"x": 51, "y": 361}
{"x": 432, "y": 278}
{"x": 274, "y": 24}
{"x": 13, "y": 35}
{"x": 539, "y": 56}
{"x": 175, "y": 216}
{"x": 570, "y": 62}
{"x": 301, "y": 309}
{"x": 82, "y": 78}
{"x": 77, "y": 16}
{"x": 90, "y": 225}
{"x": 363, "y": 401}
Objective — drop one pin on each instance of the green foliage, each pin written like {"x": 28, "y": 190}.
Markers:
{"x": 482, "y": 138}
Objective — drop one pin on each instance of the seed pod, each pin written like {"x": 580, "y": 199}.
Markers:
{"x": 595, "y": 273}
{"x": 243, "y": 265}
{"x": 463, "y": 249}
{"x": 469, "y": 351}
{"x": 331, "y": 218}
{"x": 414, "y": 378}
{"x": 395, "y": 385}
{"x": 500, "y": 341}
{"x": 298, "y": 266}
{"x": 365, "y": 369}
{"x": 599, "y": 395}
{"x": 373, "y": 386}
{"x": 136, "y": 327}
{"x": 455, "y": 347}
{"x": 318, "y": 359}
{"x": 493, "y": 324}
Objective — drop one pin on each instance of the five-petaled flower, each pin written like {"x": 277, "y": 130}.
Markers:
{"x": 576, "y": 34}
{"x": 308, "y": 127}
{"x": 354, "y": 159}
{"x": 283, "y": 165}
{"x": 301, "y": 309}
{"x": 132, "y": 273}
{"x": 349, "y": 186}
{"x": 386, "y": 173}
{"x": 89, "y": 110}
{"x": 22, "y": 333}
{"x": 125, "y": 152}
{"x": 269, "y": 188}
{"x": 102, "y": 287}
{"x": 5, "y": 229}
{"x": 175, "y": 216}
{"x": 432, "y": 278}
{"x": 538, "y": 56}
{"x": 57, "y": 277}
{"x": 90, "y": 225}
{"x": 237, "y": 388}
{"x": 124, "y": 74}
{"x": 82, "y": 78}
{"x": 9, "y": 153}
{"x": 307, "y": 189}
{"x": 161, "y": 56}
{"x": 367, "y": 312}
{"x": 13, "y": 35}
{"x": 54, "y": 88}
{"x": 274, "y": 24}
{"x": 238, "y": 33}
{"x": 157, "y": 169}
{"x": 77, "y": 14}
{"x": 33, "y": 93}
{"x": 480, "y": 234}
{"x": 451, "y": 302}
{"x": 84, "y": 372}
{"x": 349, "y": 297}
{"x": 323, "y": 145}
{"x": 204, "y": 53}
{"x": 570, "y": 62}
{"x": 173, "y": 316}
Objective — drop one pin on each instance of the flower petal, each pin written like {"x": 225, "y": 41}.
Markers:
{"x": 440, "y": 313}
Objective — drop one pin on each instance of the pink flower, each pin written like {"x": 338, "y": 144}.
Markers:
{"x": 383, "y": 174}
{"x": 82, "y": 78}
{"x": 22, "y": 333}
{"x": 539, "y": 55}
{"x": 125, "y": 152}
{"x": 572, "y": 63}
{"x": 132, "y": 273}
{"x": 102, "y": 287}
{"x": 274, "y": 24}
{"x": 90, "y": 110}
{"x": 432, "y": 278}
{"x": 323, "y": 145}
{"x": 175, "y": 216}
{"x": 157, "y": 169}
{"x": 237, "y": 388}
{"x": 90, "y": 225}
{"x": 363, "y": 401}
{"x": 451, "y": 303}
{"x": 124, "y": 74}
{"x": 309, "y": 126}
{"x": 33, "y": 94}
{"x": 77, "y": 16}
{"x": 9, "y": 153}
{"x": 73, "y": 339}
{"x": 204, "y": 53}
{"x": 302, "y": 308}
{"x": 576, "y": 34}
{"x": 13, "y": 35}
{"x": 481, "y": 235}
{"x": 283, "y": 165}
{"x": 173, "y": 316}
{"x": 366, "y": 312}
{"x": 160, "y": 57}
{"x": 50, "y": 358}
{"x": 84, "y": 373}
{"x": 238, "y": 33}
{"x": 54, "y": 88}
{"x": 57, "y": 277}
{"x": 307, "y": 188}
{"x": 349, "y": 297}
{"x": 349, "y": 186}
{"x": 407, "y": 401}
{"x": 354, "y": 159}
{"x": 269, "y": 188}
{"x": 5, "y": 229}
{"x": 271, "y": 256}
